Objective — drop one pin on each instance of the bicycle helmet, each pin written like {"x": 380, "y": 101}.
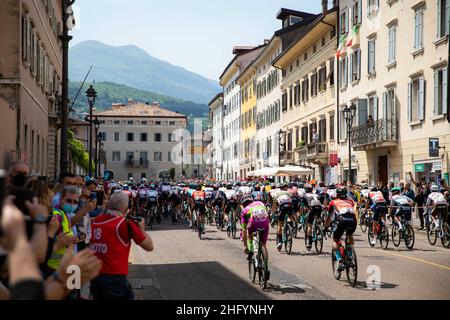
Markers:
{"x": 396, "y": 190}
{"x": 284, "y": 186}
{"x": 257, "y": 188}
{"x": 374, "y": 189}
{"x": 434, "y": 188}
{"x": 125, "y": 187}
{"x": 246, "y": 199}
{"x": 342, "y": 193}
{"x": 199, "y": 187}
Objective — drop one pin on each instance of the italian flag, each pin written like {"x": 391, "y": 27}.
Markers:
{"x": 351, "y": 39}
{"x": 341, "y": 49}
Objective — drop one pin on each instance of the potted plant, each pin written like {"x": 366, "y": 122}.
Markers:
{"x": 300, "y": 144}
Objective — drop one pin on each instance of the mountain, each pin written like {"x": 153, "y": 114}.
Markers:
{"x": 108, "y": 93}
{"x": 134, "y": 67}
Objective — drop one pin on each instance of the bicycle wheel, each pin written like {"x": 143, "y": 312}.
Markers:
{"x": 335, "y": 265}
{"x": 233, "y": 229}
{"x": 396, "y": 235}
{"x": 370, "y": 236}
{"x": 319, "y": 239}
{"x": 262, "y": 268}
{"x": 384, "y": 237}
{"x": 294, "y": 230}
{"x": 431, "y": 235}
{"x": 286, "y": 235}
{"x": 229, "y": 227}
{"x": 445, "y": 240}
{"x": 363, "y": 223}
{"x": 352, "y": 269}
{"x": 409, "y": 237}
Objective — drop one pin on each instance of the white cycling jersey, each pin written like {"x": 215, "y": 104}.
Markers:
{"x": 152, "y": 195}
{"x": 436, "y": 198}
{"x": 142, "y": 193}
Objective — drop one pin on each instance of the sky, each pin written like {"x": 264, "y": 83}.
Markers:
{"x": 197, "y": 35}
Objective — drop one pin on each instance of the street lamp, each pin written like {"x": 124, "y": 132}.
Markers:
{"x": 96, "y": 127}
{"x": 349, "y": 114}
{"x": 91, "y": 94}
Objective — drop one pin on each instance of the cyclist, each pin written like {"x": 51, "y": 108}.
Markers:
{"x": 126, "y": 190}
{"x": 243, "y": 189}
{"x": 378, "y": 206}
{"x": 231, "y": 202}
{"x": 314, "y": 208}
{"x": 199, "y": 201}
{"x": 254, "y": 216}
{"x": 218, "y": 200}
{"x": 208, "y": 197}
{"x": 343, "y": 209}
{"x": 142, "y": 196}
{"x": 257, "y": 194}
{"x": 437, "y": 204}
{"x": 174, "y": 200}
{"x": 397, "y": 201}
{"x": 282, "y": 204}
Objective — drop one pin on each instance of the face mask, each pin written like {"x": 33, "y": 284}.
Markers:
{"x": 70, "y": 208}
{"x": 19, "y": 180}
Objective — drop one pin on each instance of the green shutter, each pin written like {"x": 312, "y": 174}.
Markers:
{"x": 436, "y": 92}
{"x": 409, "y": 111}
{"x": 421, "y": 98}
{"x": 444, "y": 90}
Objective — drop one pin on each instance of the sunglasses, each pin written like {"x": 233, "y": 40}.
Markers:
{"x": 72, "y": 201}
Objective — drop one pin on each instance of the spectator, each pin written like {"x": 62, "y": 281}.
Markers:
{"x": 402, "y": 187}
{"x": 68, "y": 204}
{"x": 65, "y": 179}
{"x": 370, "y": 121}
{"x": 113, "y": 231}
{"x": 40, "y": 189}
{"x": 421, "y": 198}
{"x": 408, "y": 192}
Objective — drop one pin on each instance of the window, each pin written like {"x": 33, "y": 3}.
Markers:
{"x": 372, "y": 6}
{"x": 157, "y": 156}
{"x": 143, "y": 158}
{"x": 322, "y": 78}
{"x": 343, "y": 72}
{"x": 305, "y": 57}
{"x": 305, "y": 89}
{"x": 290, "y": 97}
{"x": 314, "y": 48}
{"x": 314, "y": 84}
{"x": 371, "y": 57}
{"x": 130, "y": 156}
{"x": 284, "y": 101}
{"x": 323, "y": 41}
{"x": 116, "y": 136}
{"x": 344, "y": 22}
{"x": 157, "y": 123}
{"x": 116, "y": 121}
{"x": 342, "y": 125}
{"x": 418, "y": 29}
{"x": 332, "y": 126}
{"x": 170, "y": 138}
{"x": 331, "y": 75}
{"x": 130, "y": 122}
{"x": 392, "y": 40}
{"x": 323, "y": 130}
{"x": 102, "y": 136}
{"x": 355, "y": 65}
{"x": 144, "y": 123}
{"x": 443, "y": 16}
{"x": 305, "y": 134}
{"x": 143, "y": 137}
{"x": 373, "y": 108}
{"x": 130, "y": 136}
{"x": 157, "y": 137}
{"x": 416, "y": 100}
{"x": 390, "y": 104}
{"x": 356, "y": 18}
{"x": 116, "y": 156}
{"x": 169, "y": 156}
{"x": 440, "y": 92}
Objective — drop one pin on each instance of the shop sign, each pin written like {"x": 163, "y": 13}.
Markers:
{"x": 419, "y": 167}
{"x": 437, "y": 166}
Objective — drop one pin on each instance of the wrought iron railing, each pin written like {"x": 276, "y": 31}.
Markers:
{"x": 316, "y": 149}
{"x": 378, "y": 131}
{"x": 137, "y": 163}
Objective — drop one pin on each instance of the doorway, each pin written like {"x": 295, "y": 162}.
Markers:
{"x": 383, "y": 169}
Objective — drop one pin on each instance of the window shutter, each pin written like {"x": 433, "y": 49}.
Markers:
{"x": 416, "y": 30}
{"x": 447, "y": 16}
{"x": 385, "y": 115}
{"x": 444, "y": 90}
{"x": 409, "y": 111}
{"x": 436, "y": 92}
{"x": 369, "y": 62}
{"x": 351, "y": 11}
{"x": 439, "y": 20}
{"x": 394, "y": 40}
{"x": 368, "y": 7}
{"x": 359, "y": 11}
{"x": 421, "y": 99}
{"x": 351, "y": 57}
{"x": 375, "y": 109}
{"x": 362, "y": 112}
{"x": 346, "y": 59}
{"x": 358, "y": 61}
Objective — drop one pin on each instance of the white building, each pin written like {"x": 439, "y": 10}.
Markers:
{"x": 139, "y": 140}
{"x": 395, "y": 71}
{"x": 216, "y": 145}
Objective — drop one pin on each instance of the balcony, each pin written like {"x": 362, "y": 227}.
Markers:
{"x": 382, "y": 134}
{"x": 287, "y": 157}
{"x": 137, "y": 163}
{"x": 317, "y": 151}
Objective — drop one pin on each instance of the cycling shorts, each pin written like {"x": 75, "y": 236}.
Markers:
{"x": 253, "y": 226}
{"x": 379, "y": 210}
{"x": 344, "y": 223}
{"x": 283, "y": 210}
{"x": 200, "y": 208}
{"x": 404, "y": 211}
{"x": 314, "y": 211}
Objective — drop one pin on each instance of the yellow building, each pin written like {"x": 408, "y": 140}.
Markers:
{"x": 247, "y": 82}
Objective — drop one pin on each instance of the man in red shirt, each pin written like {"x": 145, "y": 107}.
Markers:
{"x": 111, "y": 238}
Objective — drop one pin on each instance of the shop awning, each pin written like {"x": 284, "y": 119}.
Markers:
{"x": 281, "y": 171}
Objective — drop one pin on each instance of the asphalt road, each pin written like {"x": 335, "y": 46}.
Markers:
{"x": 186, "y": 268}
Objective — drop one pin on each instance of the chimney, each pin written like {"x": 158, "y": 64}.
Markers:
{"x": 266, "y": 41}
{"x": 324, "y": 7}
{"x": 155, "y": 103}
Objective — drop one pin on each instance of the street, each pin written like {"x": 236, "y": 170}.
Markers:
{"x": 184, "y": 268}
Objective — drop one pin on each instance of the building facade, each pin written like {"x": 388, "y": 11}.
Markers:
{"x": 216, "y": 120}
{"x": 30, "y": 83}
{"x": 394, "y": 70}
{"x": 141, "y": 140}
{"x": 308, "y": 102}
